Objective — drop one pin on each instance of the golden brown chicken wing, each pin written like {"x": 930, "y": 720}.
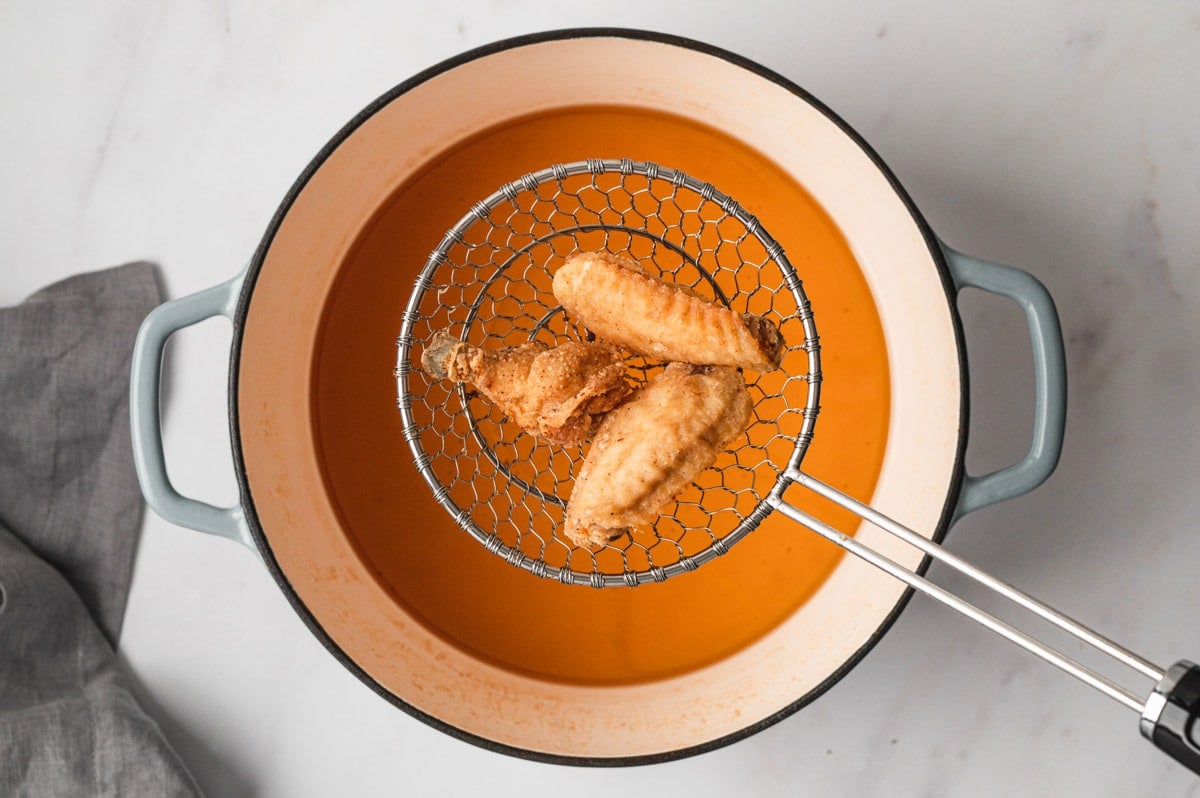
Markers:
{"x": 648, "y": 449}
{"x": 616, "y": 300}
{"x": 554, "y": 393}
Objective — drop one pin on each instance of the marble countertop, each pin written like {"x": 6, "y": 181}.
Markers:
{"x": 1062, "y": 138}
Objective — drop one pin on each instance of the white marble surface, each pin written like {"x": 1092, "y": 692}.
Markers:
{"x": 1064, "y": 138}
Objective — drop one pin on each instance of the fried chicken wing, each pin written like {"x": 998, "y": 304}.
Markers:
{"x": 648, "y": 449}
{"x": 619, "y": 302}
{"x": 555, "y": 393}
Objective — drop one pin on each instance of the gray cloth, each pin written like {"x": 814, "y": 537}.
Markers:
{"x": 70, "y": 511}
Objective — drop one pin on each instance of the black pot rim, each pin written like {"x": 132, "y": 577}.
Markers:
{"x": 255, "y": 265}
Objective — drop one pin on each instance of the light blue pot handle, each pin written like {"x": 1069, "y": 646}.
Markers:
{"x": 1049, "y": 377}
{"x": 145, "y": 378}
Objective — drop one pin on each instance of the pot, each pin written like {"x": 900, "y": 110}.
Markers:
{"x": 326, "y": 500}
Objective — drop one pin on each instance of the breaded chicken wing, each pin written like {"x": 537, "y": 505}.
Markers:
{"x": 554, "y": 393}
{"x": 616, "y": 300}
{"x": 648, "y": 449}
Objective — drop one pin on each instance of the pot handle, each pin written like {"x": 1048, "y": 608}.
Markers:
{"x": 145, "y": 379}
{"x": 1049, "y": 373}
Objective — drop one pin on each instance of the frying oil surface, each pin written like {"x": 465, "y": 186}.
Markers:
{"x": 503, "y": 614}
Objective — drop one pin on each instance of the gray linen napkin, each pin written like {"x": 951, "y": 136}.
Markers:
{"x": 70, "y": 511}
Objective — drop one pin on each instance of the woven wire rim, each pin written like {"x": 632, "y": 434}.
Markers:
{"x": 480, "y": 212}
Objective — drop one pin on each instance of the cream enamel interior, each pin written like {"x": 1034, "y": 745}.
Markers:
{"x": 275, "y": 376}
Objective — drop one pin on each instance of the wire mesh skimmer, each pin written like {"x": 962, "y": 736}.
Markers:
{"x": 489, "y": 282}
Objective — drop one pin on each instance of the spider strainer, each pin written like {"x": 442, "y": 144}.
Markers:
{"x": 489, "y": 283}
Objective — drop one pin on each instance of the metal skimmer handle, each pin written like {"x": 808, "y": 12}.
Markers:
{"x": 1169, "y": 717}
